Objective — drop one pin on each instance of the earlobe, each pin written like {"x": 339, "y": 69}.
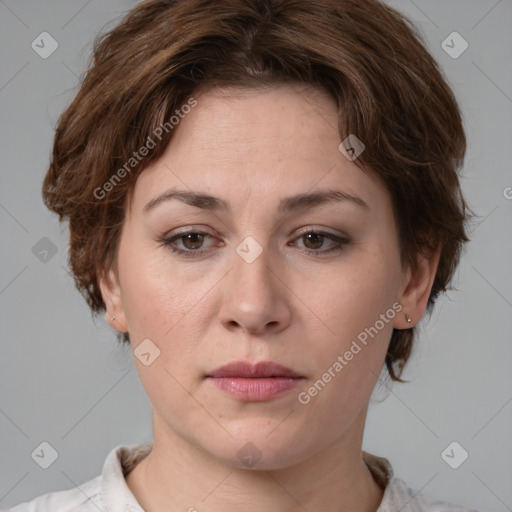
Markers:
{"x": 416, "y": 288}
{"x": 111, "y": 294}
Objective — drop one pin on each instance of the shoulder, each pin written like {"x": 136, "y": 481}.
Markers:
{"x": 107, "y": 491}
{"x": 399, "y": 496}
{"x": 83, "y": 498}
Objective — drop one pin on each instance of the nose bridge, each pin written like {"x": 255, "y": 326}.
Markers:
{"x": 254, "y": 297}
{"x": 252, "y": 274}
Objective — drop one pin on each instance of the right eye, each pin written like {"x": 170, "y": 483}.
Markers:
{"x": 190, "y": 240}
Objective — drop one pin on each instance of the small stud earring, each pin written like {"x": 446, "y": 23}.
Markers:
{"x": 408, "y": 318}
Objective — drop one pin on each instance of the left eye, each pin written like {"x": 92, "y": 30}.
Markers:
{"x": 315, "y": 240}
{"x": 192, "y": 241}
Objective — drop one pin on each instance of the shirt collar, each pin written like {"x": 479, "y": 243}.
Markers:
{"x": 380, "y": 468}
{"x": 115, "y": 492}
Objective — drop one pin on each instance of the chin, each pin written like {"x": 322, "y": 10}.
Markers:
{"x": 256, "y": 447}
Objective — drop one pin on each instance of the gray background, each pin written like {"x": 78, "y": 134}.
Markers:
{"x": 64, "y": 380}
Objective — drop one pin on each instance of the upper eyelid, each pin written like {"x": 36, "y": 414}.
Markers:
{"x": 299, "y": 231}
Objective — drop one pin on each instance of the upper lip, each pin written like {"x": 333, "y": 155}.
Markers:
{"x": 248, "y": 370}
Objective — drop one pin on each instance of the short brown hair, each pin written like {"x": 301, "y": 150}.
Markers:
{"x": 390, "y": 92}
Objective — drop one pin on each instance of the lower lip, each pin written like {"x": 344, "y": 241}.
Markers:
{"x": 255, "y": 389}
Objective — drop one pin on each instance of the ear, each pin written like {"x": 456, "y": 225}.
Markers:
{"x": 415, "y": 289}
{"x": 111, "y": 293}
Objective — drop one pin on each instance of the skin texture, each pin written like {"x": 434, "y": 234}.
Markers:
{"x": 252, "y": 149}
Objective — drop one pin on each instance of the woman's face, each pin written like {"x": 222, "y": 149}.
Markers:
{"x": 266, "y": 277}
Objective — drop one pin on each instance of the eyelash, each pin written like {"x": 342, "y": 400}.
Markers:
{"x": 167, "y": 242}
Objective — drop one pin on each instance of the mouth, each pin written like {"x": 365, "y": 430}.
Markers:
{"x": 254, "y": 382}
{"x": 263, "y": 369}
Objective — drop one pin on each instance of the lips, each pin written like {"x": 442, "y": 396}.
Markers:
{"x": 263, "y": 369}
{"x": 254, "y": 382}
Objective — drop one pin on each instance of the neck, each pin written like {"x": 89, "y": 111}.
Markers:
{"x": 178, "y": 476}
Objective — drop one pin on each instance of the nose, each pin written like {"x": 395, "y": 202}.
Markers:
{"x": 255, "y": 296}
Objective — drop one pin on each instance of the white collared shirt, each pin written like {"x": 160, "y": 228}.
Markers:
{"x": 109, "y": 492}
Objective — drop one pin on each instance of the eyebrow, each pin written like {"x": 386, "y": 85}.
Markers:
{"x": 287, "y": 205}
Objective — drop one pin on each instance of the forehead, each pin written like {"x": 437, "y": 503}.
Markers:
{"x": 243, "y": 118}
{"x": 263, "y": 144}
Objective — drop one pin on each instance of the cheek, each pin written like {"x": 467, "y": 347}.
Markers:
{"x": 167, "y": 305}
{"x": 154, "y": 300}
{"x": 355, "y": 309}
{"x": 355, "y": 295}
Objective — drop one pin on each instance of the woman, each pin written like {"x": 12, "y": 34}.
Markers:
{"x": 263, "y": 198}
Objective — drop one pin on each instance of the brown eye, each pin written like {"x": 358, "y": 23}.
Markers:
{"x": 188, "y": 243}
{"x": 314, "y": 240}
{"x": 192, "y": 240}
